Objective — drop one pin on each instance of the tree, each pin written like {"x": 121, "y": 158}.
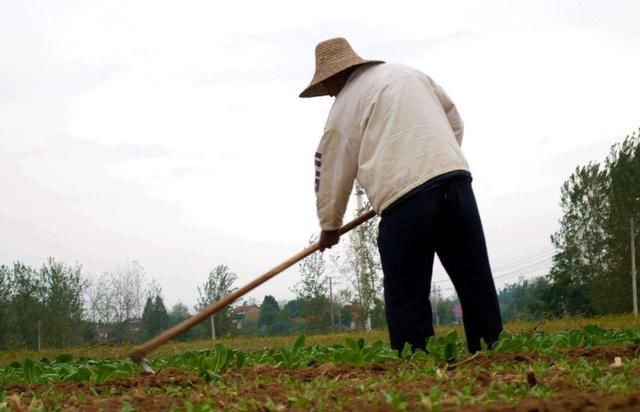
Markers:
{"x": 5, "y": 300}
{"x": 612, "y": 292}
{"x": 294, "y": 308}
{"x": 26, "y": 307}
{"x": 130, "y": 291}
{"x": 314, "y": 290}
{"x": 117, "y": 298}
{"x": 580, "y": 242}
{"x": 591, "y": 268}
{"x": 273, "y": 320}
{"x": 218, "y": 285}
{"x": 63, "y": 289}
{"x": 177, "y": 314}
{"x": 102, "y": 299}
{"x": 521, "y": 301}
{"x": 363, "y": 268}
{"x": 41, "y": 306}
{"x": 155, "y": 318}
{"x": 268, "y": 312}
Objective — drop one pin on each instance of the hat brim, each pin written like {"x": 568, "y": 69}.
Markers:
{"x": 317, "y": 86}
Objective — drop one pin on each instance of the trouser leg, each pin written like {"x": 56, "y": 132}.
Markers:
{"x": 406, "y": 245}
{"x": 462, "y": 250}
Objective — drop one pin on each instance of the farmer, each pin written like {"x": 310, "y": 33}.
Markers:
{"x": 397, "y": 132}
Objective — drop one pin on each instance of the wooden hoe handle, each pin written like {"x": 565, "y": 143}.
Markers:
{"x": 139, "y": 352}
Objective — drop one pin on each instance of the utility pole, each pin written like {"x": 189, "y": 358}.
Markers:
{"x": 213, "y": 328}
{"x": 331, "y": 302}
{"x": 634, "y": 286}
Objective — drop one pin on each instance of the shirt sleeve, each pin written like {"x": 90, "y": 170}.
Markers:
{"x": 336, "y": 162}
{"x": 452, "y": 112}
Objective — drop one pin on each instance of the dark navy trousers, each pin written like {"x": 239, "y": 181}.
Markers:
{"x": 439, "y": 217}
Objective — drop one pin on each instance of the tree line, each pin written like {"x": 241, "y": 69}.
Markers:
{"x": 56, "y": 305}
{"x": 591, "y": 269}
{"x": 591, "y": 272}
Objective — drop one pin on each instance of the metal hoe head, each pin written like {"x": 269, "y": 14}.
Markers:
{"x": 146, "y": 367}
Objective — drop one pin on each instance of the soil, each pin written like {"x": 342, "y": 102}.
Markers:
{"x": 265, "y": 383}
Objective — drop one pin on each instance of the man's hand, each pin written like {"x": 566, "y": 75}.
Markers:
{"x": 328, "y": 239}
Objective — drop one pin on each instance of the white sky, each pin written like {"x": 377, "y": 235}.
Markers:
{"x": 171, "y": 132}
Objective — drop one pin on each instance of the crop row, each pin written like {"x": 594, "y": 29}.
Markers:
{"x": 210, "y": 363}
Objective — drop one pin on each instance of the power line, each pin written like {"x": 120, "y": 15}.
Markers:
{"x": 517, "y": 266}
{"x": 545, "y": 254}
{"x": 537, "y": 265}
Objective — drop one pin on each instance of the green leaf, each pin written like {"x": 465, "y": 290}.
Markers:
{"x": 105, "y": 372}
{"x": 419, "y": 355}
{"x": 406, "y": 351}
{"x": 240, "y": 359}
{"x": 126, "y": 407}
{"x": 298, "y": 344}
{"x": 83, "y": 374}
{"x": 351, "y": 344}
{"x": 435, "y": 395}
{"x": 452, "y": 337}
{"x": 211, "y": 376}
{"x": 450, "y": 352}
{"x": 64, "y": 358}
{"x": 31, "y": 371}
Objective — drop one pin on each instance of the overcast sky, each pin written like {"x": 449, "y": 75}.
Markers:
{"x": 171, "y": 132}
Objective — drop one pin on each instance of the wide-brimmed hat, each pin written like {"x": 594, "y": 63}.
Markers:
{"x": 332, "y": 57}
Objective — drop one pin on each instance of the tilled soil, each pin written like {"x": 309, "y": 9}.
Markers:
{"x": 346, "y": 387}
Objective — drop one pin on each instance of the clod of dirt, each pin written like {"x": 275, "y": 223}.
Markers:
{"x": 521, "y": 358}
{"x": 484, "y": 378}
{"x": 617, "y": 362}
{"x": 531, "y": 378}
{"x": 326, "y": 368}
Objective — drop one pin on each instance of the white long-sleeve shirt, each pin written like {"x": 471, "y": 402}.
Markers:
{"x": 392, "y": 128}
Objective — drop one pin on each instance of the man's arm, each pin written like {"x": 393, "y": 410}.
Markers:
{"x": 451, "y": 111}
{"x": 336, "y": 164}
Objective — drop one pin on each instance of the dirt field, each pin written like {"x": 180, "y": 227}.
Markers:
{"x": 518, "y": 381}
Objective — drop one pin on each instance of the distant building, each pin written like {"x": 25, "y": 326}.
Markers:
{"x": 245, "y": 314}
{"x": 102, "y": 334}
{"x": 134, "y": 325}
{"x": 299, "y": 320}
{"x": 457, "y": 311}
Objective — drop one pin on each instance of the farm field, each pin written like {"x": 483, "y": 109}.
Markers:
{"x": 567, "y": 364}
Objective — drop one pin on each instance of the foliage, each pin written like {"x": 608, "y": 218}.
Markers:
{"x": 177, "y": 314}
{"x": 362, "y": 268}
{"x": 268, "y": 312}
{"x": 273, "y": 320}
{"x": 591, "y": 269}
{"x": 211, "y": 363}
{"x": 313, "y": 289}
{"x": 117, "y": 298}
{"x": 43, "y": 304}
{"x": 218, "y": 285}
{"x": 155, "y": 318}
{"x": 522, "y": 300}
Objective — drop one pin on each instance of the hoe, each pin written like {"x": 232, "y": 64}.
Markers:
{"x": 139, "y": 352}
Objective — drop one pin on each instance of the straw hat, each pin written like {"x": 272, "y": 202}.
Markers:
{"x": 332, "y": 57}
